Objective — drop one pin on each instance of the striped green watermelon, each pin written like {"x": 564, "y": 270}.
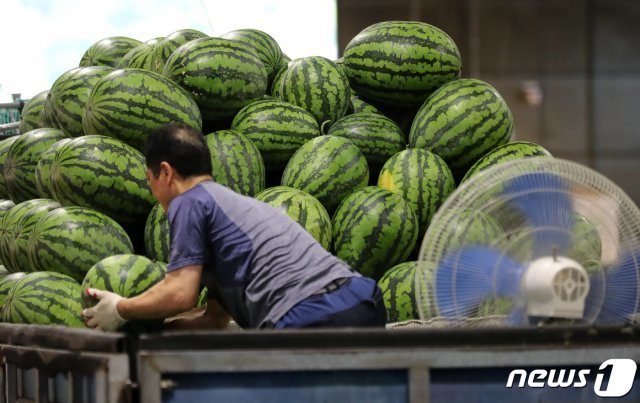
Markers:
{"x": 400, "y": 62}
{"x": 68, "y": 97}
{"x": 16, "y": 228}
{"x": 463, "y": 227}
{"x": 22, "y": 159}
{"x": 506, "y": 152}
{"x": 144, "y": 56}
{"x": 70, "y": 240}
{"x": 263, "y": 45}
{"x": 108, "y": 51}
{"x": 329, "y": 168}
{"x": 378, "y": 137}
{"x": 462, "y": 121}
{"x": 127, "y": 275}
{"x": 398, "y": 286}
{"x": 44, "y": 298}
{"x": 156, "y": 235}
{"x": 4, "y": 150}
{"x": 303, "y": 208}
{"x": 222, "y": 75}
{"x": 32, "y": 115}
{"x": 102, "y": 173}
{"x": 277, "y": 128}
{"x": 358, "y": 105}
{"x": 236, "y": 162}
{"x": 154, "y": 41}
{"x": 6, "y": 283}
{"x": 422, "y": 178}
{"x": 129, "y": 103}
{"x": 43, "y": 169}
{"x": 316, "y": 85}
{"x": 586, "y": 243}
{"x": 178, "y": 38}
{"x": 275, "y": 84}
{"x": 373, "y": 230}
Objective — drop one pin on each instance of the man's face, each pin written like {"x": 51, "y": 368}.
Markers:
{"x": 159, "y": 188}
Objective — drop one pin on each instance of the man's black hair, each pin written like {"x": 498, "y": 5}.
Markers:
{"x": 182, "y": 147}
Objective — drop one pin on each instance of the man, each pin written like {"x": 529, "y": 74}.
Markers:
{"x": 262, "y": 268}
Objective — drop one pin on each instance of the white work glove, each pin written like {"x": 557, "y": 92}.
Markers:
{"x": 104, "y": 315}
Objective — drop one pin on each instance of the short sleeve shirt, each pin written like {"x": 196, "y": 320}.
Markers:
{"x": 258, "y": 261}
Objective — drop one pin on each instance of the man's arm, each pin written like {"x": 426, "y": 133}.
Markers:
{"x": 176, "y": 293}
{"x": 214, "y": 317}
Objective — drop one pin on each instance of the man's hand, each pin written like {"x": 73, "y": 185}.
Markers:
{"x": 104, "y": 315}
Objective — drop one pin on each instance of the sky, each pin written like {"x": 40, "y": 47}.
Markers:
{"x": 41, "y": 39}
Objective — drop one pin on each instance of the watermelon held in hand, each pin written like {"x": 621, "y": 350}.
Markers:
{"x": 127, "y": 275}
{"x": 44, "y": 298}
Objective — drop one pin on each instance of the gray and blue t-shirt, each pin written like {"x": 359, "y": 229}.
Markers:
{"x": 259, "y": 260}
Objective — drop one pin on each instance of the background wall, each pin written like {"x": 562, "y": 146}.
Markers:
{"x": 579, "y": 61}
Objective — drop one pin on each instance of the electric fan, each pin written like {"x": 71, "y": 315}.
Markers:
{"x": 534, "y": 241}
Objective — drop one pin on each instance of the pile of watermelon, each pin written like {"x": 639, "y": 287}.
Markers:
{"x": 360, "y": 151}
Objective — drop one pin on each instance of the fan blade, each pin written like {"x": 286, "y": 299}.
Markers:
{"x": 543, "y": 199}
{"x": 468, "y": 276}
{"x": 613, "y": 295}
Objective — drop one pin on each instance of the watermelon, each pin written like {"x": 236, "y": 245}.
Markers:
{"x": 156, "y": 235}
{"x": 318, "y": 86}
{"x": 129, "y": 103}
{"x": 275, "y": 83}
{"x": 127, "y": 275}
{"x": 506, "y": 152}
{"x": 378, "y": 137}
{"x": 44, "y": 298}
{"x": 461, "y": 121}
{"x": 4, "y": 150}
{"x": 43, "y": 169}
{"x": 108, "y": 51}
{"x": 70, "y": 240}
{"x": 6, "y": 283}
{"x": 178, "y": 38}
{"x": 32, "y": 115}
{"x": 277, "y": 128}
{"x": 68, "y": 97}
{"x": 263, "y": 45}
{"x": 236, "y": 162}
{"x": 329, "y": 168}
{"x": 373, "y": 230}
{"x": 422, "y": 178}
{"x": 144, "y": 56}
{"x": 15, "y": 230}
{"x": 222, "y": 75}
{"x": 3, "y": 272}
{"x": 102, "y": 173}
{"x": 22, "y": 159}
{"x": 463, "y": 227}
{"x": 303, "y": 208}
{"x": 400, "y": 62}
{"x": 358, "y": 105}
{"x": 398, "y": 286}
{"x": 586, "y": 243}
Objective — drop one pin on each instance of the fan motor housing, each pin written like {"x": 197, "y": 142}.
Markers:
{"x": 555, "y": 287}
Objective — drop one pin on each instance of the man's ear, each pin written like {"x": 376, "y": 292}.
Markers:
{"x": 166, "y": 169}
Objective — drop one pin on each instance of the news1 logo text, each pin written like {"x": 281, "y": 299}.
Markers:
{"x": 614, "y": 378}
